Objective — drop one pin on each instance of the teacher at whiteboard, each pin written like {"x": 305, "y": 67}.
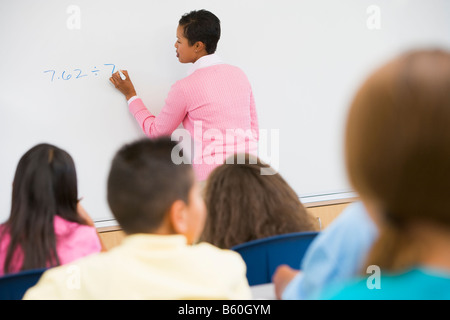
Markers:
{"x": 214, "y": 102}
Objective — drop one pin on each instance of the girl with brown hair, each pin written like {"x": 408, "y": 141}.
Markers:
{"x": 398, "y": 160}
{"x": 244, "y": 205}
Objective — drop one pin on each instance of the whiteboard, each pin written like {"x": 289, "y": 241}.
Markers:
{"x": 304, "y": 59}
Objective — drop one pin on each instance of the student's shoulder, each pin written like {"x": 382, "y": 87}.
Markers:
{"x": 83, "y": 238}
{"x": 413, "y": 284}
{"x": 224, "y": 261}
{"x": 65, "y": 227}
{"x": 218, "y": 254}
{"x": 52, "y": 284}
{"x": 207, "y": 247}
{"x": 354, "y": 219}
{"x": 65, "y": 281}
{"x": 354, "y": 289}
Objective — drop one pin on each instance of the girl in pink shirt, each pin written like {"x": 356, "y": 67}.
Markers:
{"x": 214, "y": 102}
{"x": 47, "y": 225}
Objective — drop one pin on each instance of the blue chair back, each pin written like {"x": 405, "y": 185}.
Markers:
{"x": 263, "y": 256}
{"x": 13, "y": 286}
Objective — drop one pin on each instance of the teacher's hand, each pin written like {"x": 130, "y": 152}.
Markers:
{"x": 124, "y": 86}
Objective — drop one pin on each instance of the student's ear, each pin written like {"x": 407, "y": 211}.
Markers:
{"x": 178, "y": 217}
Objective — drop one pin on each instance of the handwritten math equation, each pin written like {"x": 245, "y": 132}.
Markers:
{"x": 65, "y": 75}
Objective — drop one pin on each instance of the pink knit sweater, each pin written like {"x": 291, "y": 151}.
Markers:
{"x": 216, "y": 106}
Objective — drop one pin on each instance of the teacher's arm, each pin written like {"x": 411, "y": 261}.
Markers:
{"x": 171, "y": 115}
{"x": 254, "y": 117}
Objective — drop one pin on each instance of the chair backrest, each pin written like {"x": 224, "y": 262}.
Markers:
{"x": 13, "y": 286}
{"x": 263, "y": 256}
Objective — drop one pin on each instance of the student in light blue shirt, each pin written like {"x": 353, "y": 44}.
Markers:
{"x": 337, "y": 254}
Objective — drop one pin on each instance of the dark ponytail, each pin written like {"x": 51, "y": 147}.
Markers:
{"x": 44, "y": 185}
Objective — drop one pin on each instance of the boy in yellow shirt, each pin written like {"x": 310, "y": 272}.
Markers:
{"x": 158, "y": 204}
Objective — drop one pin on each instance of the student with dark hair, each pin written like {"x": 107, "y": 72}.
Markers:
{"x": 47, "y": 225}
{"x": 398, "y": 159}
{"x": 245, "y": 205}
{"x": 159, "y": 206}
{"x": 213, "y": 97}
